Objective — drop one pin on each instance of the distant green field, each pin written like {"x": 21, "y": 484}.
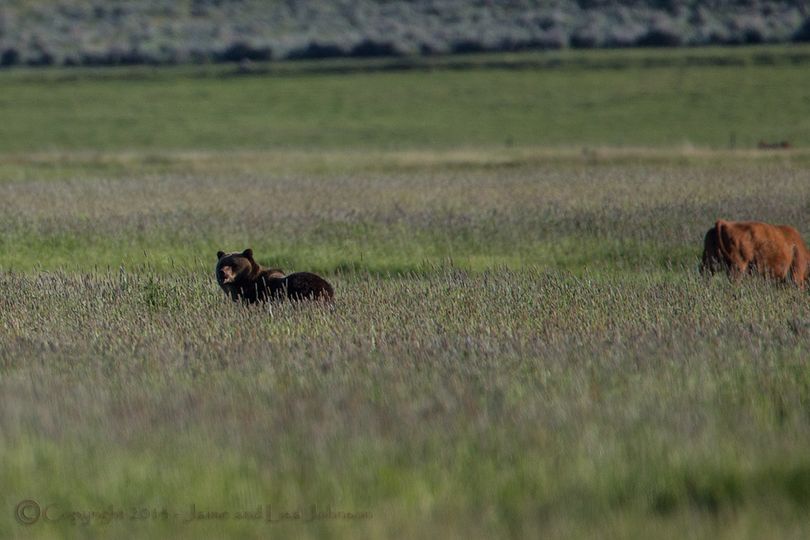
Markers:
{"x": 521, "y": 344}
{"x": 708, "y": 99}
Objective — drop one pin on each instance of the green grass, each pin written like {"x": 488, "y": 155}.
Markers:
{"x": 520, "y": 345}
{"x": 393, "y": 221}
{"x": 635, "y": 105}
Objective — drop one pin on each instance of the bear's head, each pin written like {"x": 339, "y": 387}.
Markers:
{"x": 234, "y": 269}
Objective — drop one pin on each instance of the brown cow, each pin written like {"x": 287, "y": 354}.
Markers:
{"x": 741, "y": 247}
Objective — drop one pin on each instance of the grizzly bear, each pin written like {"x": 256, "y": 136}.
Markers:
{"x": 242, "y": 278}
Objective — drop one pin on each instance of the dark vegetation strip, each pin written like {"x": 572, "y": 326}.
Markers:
{"x": 574, "y": 60}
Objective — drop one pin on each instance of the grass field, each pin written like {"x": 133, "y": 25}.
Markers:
{"x": 521, "y": 344}
{"x": 691, "y": 98}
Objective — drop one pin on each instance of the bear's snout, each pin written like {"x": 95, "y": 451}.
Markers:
{"x": 226, "y": 274}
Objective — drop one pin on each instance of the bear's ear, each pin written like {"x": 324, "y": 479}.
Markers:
{"x": 248, "y": 253}
{"x": 220, "y": 254}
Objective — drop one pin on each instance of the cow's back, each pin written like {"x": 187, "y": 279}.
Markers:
{"x": 793, "y": 236}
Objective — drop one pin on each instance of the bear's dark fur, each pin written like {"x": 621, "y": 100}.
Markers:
{"x": 242, "y": 278}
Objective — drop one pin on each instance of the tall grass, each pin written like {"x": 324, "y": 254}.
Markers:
{"x": 484, "y": 404}
{"x": 385, "y": 215}
{"x": 517, "y": 350}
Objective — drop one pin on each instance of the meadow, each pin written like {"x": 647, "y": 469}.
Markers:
{"x": 520, "y": 346}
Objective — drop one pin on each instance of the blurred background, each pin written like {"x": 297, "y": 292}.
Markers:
{"x": 96, "y": 32}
